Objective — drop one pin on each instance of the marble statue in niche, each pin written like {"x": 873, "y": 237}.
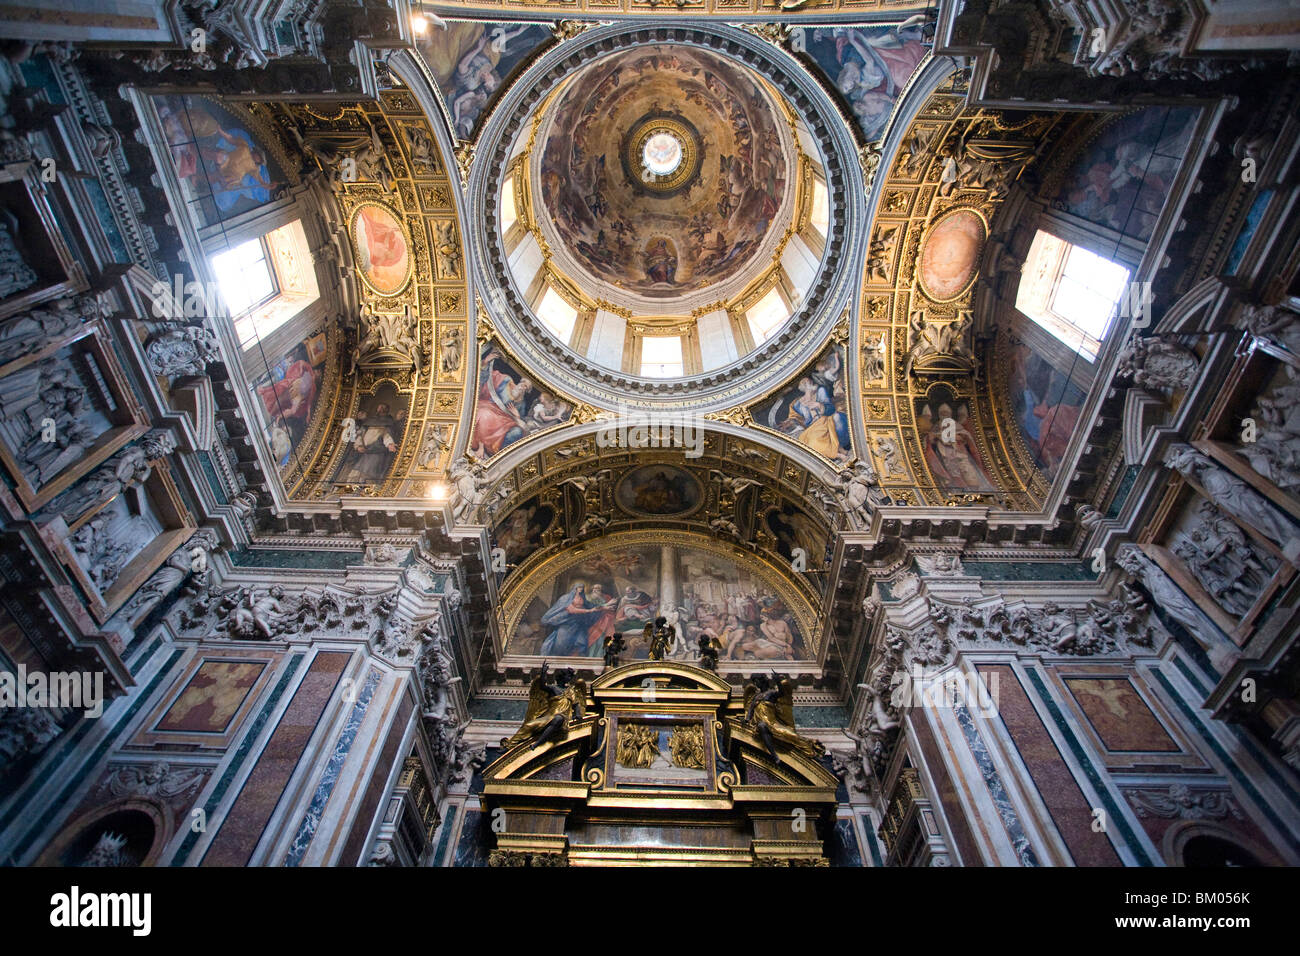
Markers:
{"x": 451, "y": 344}
{"x": 105, "y": 545}
{"x": 127, "y": 468}
{"x": 190, "y": 558}
{"x": 1275, "y": 452}
{"x": 15, "y": 274}
{"x": 32, "y": 331}
{"x": 46, "y": 416}
{"x": 1231, "y": 493}
{"x": 1228, "y": 564}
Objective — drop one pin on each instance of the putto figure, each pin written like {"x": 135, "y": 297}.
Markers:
{"x": 551, "y": 708}
{"x": 769, "y": 709}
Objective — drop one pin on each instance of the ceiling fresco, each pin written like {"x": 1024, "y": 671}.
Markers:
{"x": 868, "y": 67}
{"x": 700, "y": 224}
{"x": 402, "y": 357}
{"x": 471, "y": 62}
{"x": 414, "y": 375}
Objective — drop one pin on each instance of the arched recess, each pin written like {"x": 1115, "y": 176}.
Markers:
{"x": 133, "y": 831}
{"x": 405, "y": 322}
{"x": 760, "y": 497}
{"x": 553, "y": 454}
{"x": 1192, "y": 842}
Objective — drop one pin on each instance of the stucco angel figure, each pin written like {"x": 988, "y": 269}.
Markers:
{"x": 470, "y": 484}
{"x": 769, "y": 708}
{"x": 257, "y": 615}
{"x": 551, "y": 708}
{"x": 860, "y": 491}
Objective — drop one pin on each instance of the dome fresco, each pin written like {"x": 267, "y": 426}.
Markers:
{"x": 663, "y": 169}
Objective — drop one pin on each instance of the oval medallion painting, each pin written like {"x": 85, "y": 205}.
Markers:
{"x": 379, "y": 243}
{"x": 658, "y": 490}
{"x": 950, "y": 254}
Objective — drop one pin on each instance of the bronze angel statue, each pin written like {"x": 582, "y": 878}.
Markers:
{"x": 551, "y": 707}
{"x": 659, "y": 635}
{"x": 769, "y": 708}
{"x": 709, "y": 648}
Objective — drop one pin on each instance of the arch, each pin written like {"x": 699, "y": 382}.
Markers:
{"x": 130, "y": 814}
{"x": 1205, "y": 840}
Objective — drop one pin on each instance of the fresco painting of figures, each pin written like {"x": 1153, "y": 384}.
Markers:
{"x": 623, "y": 587}
{"x": 510, "y": 405}
{"x": 288, "y": 395}
{"x": 814, "y": 409}
{"x": 376, "y": 432}
{"x": 870, "y": 66}
{"x": 703, "y": 229}
{"x": 1046, "y": 405}
{"x": 1122, "y": 178}
{"x": 471, "y": 61}
{"x": 222, "y": 169}
{"x": 951, "y": 451}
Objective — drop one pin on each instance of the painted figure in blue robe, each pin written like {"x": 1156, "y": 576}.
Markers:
{"x": 580, "y": 622}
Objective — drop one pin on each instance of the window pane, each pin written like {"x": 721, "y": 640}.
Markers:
{"x": 766, "y": 317}
{"x": 243, "y": 275}
{"x": 1070, "y": 291}
{"x": 557, "y": 315}
{"x": 661, "y": 356}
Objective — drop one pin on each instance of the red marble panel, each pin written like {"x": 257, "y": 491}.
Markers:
{"x": 1119, "y": 715}
{"x": 212, "y": 697}
{"x": 1066, "y": 803}
{"x": 950, "y": 803}
{"x": 243, "y": 825}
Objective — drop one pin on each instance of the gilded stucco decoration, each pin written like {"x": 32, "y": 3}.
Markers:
{"x": 923, "y": 352}
{"x": 403, "y": 355}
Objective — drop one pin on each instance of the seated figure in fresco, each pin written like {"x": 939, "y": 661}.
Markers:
{"x": 660, "y": 262}
{"x": 811, "y": 419}
{"x": 372, "y": 450}
{"x": 634, "y": 610}
{"x": 955, "y": 461}
{"x": 499, "y": 417}
{"x": 579, "y": 622}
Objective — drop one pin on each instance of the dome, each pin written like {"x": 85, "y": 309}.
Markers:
{"x": 660, "y": 218}
{"x": 664, "y": 173}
